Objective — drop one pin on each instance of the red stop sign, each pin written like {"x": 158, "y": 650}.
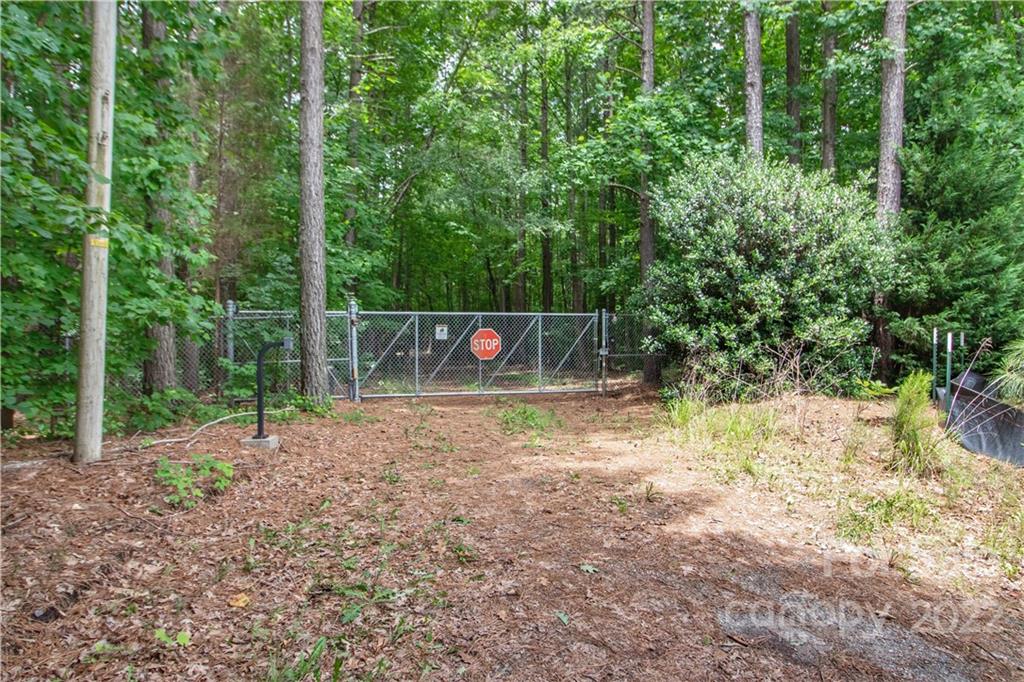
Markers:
{"x": 485, "y": 344}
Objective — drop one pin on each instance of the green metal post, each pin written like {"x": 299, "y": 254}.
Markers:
{"x": 949, "y": 371}
{"x": 935, "y": 363}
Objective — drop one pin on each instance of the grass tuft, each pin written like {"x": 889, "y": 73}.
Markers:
{"x": 915, "y": 444}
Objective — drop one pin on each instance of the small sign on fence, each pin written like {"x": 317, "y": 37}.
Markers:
{"x": 440, "y": 332}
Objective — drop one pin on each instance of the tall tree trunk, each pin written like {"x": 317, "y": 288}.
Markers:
{"x": 754, "y": 86}
{"x": 652, "y": 366}
{"x": 355, "y": 77}
{"x": 602, "y": 241}
{"x": 312, "y": 255}
{"x": 189, "y": 349}
{"x": 613, "y": 240}
{"x": 793, "y": 84}
{"x": 159, "y": 371}
{"x": 547, "y": 291}
{"x": 829, "y": 97}
{"x": 889, "y": 144}
{"x": 575, "y": 276}
{"x": 891, "y": 117}
{"x": 519, "y": 291}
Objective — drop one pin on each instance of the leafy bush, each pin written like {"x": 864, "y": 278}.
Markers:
{"x": 915, "y": 443}
{"x": 767, "y": 268}
{"x": 521, "y": 417}
{"x": 190, "y": 483}
{"x": 1010, "y": 375}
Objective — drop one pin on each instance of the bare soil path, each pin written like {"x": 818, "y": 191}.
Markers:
{"x": 421, "y": 541}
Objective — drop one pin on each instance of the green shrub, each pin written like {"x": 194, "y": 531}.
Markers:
{"x": 1010, "y": 376}
{"x": 190, "y": 483}
{"x": 915, "y": 445}
{"x": 521, "y": 417}
{"x": 767, "y": 270}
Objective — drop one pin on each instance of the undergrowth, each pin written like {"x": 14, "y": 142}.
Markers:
{"x": 520, "y": 417}
{"x": 902, "y": 507}
{"x": 189, "y": 483}
{"x": 915, "y": 443}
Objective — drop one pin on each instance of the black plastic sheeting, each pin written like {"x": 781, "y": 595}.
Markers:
{"x": 984, "y": 424}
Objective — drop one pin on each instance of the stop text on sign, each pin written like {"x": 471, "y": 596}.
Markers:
{"x": 485, "y": 344}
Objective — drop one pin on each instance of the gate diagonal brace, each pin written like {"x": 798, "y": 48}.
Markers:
{"x": 451, "y": 350}
{"x": 573, "y": 346}
{"x": 511, "y": 352}
{"x": 388, "y": 349}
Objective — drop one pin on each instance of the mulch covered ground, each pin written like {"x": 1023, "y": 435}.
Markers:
{"x": 424, "y": 542}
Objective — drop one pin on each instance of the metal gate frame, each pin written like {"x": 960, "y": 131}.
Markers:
{"x": 593, "y": 325}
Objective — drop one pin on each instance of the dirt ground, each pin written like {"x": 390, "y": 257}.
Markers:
{"x": 420, "y": 541}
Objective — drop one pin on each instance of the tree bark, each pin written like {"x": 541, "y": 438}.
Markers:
{"x": 652, "y": 367}
{"x": 890, "y": 141}
{"x": 575, "y": 276}
{"x": 891, "y": 118}
{"x": 793, "y": 84}
{"x": 312, "y": 253}
{"x": 547, "y": 293}
{"x": 355, "y": 77}
{"x": 754, "y": 86}
{"x": 829, "y": 97}
{"x": 519, "y": 291}
{"x": 159, "y": 371}
{"x": 613, "y": 241}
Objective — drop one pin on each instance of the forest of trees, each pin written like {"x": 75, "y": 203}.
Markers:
{"x": 513, "y": 156}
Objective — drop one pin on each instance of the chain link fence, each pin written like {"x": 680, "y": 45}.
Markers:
{"x": 415, "y": 353}
{"x": 402, "y": 354}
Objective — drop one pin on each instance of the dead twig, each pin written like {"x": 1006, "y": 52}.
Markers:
{"x": 137, "y": 518}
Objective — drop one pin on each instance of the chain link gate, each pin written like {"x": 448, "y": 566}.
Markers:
{"x": 403, "y": 354}
{"x": 407, "y": 354}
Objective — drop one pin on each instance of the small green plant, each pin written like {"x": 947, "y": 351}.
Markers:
{"x": 520, "y": 417}
{"x": 621, "y": 503}
{"x": 915, "y": 445}
{"x": 868, "y": 389}
{"x": 189, "y": 483}
{"x": 464, "y": 553}
{"x": 900, "y": 507}
{"x": 853, "y": 444}
{"x": 182, "y": 639}
{"x": 1006, "y": 543}
{"x": 307, "y": 665}
{"x": 391, "y": 475}
{"x": 357, "y": 417}
{"x": 681, "y": 412}
{"x": 652, "y": 494}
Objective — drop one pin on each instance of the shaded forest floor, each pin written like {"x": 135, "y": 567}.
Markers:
{"x": 566, "y": 537}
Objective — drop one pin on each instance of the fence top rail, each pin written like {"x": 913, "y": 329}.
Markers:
{"x": 474, "y": 314}
{"x": 344, "y": 313}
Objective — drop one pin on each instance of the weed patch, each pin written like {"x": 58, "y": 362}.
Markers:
{"x": 521, "y": 417}
{"x": 902, "y": 507}
{"x": 189, "y": 483}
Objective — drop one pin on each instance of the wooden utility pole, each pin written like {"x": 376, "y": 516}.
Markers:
{"x": 95, "y": 246}
{"x": 754, "y": 85}
{"x": 312, "y": 248}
